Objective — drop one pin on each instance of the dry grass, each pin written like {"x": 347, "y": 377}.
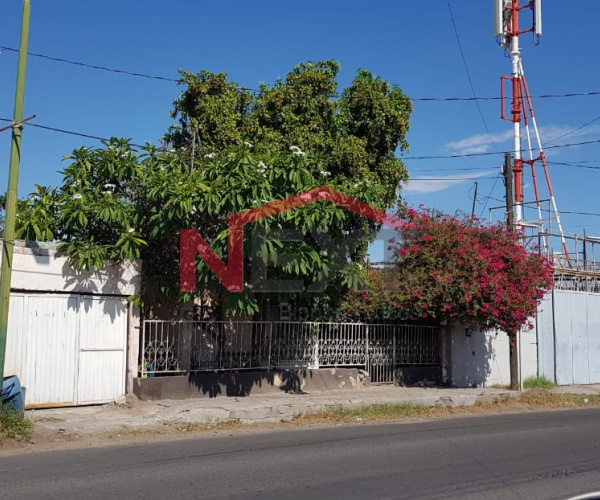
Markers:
{"x": 370, "y": 413}
{"x": 13, "y": 424}
{"x": 533, "y": 400}
{"x": 174, "y": 428}
{"x": 542, "y": 398}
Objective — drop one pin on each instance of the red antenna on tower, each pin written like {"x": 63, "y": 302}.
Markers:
{"x": 507, "y": 31}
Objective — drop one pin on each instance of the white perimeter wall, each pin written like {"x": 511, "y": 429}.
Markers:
{"x": 565, "y": 341}
{"x": 42, "y": 269}
{"x": 481, "y": 359}
{"x": 569, "y": 348}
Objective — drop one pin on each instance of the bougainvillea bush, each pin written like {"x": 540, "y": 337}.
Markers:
{"x": 453, "y": 269}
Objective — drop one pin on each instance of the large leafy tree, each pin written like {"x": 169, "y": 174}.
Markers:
{"x": 355, "y": 134}
{"x": 113, "y": 204}
{"x": 232, "y": 150}
{"x": 352, "y": 136}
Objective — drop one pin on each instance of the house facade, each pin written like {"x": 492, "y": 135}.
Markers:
{"x": 72, "y": 336}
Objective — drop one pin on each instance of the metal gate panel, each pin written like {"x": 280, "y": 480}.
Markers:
{"x": 15, "y": 339}
{"x": 103, "y": 323}
{"x": 49, "y": 374}
{"x": 381, "y": 353}
{"x": 101, "y": 376}
{"x": 545, "y": 337}
{"x": 564, "y": 337}
{"x": 593, "y": 318}
{"x": 579, "y": 334}
{"x": 102, "y": 349}
{"x": 569, "y": 337}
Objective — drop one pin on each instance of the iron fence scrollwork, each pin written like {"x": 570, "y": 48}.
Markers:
{"x": 171, "y": 347}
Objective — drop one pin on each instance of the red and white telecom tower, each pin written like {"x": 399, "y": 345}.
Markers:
{"x": 507, "y": 30}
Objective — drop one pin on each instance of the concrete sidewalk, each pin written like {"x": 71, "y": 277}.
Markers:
{"x": 586, "y": 390}
{"x": 251, "y": 409}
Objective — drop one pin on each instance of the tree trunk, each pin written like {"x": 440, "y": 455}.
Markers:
{"x": 514, "y": 361}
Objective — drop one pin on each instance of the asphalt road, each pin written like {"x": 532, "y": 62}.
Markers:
{"x": 544, "y": 455}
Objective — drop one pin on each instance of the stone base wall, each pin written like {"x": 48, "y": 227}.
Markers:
{"x": 418, "y": 375}
{"x": 210, "y": 385}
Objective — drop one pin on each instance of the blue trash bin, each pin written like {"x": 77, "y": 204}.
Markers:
{"x": 13, "y": 394}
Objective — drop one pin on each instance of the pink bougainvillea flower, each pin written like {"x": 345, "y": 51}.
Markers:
{"x": 460, "y": 270}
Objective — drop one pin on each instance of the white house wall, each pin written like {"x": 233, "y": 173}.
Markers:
{"x": 482, "y": 358}
{"x": 478, "y": 359}
{"x": 529, "y": 352}
{"x": 564, "y": 346}
{"x": 45, "y": 270}
{"x": 72, "y": 336}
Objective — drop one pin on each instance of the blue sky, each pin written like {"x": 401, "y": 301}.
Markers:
{"x": 412, "y": 44}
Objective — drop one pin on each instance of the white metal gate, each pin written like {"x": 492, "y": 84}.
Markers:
{"x": 67, "y": 349}
{"x": 568, "y": 326}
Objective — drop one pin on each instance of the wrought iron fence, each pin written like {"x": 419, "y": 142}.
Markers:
{"x": 170, "y": 347}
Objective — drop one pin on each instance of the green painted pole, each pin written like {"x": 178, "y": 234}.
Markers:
{"x": 13, "y": 182}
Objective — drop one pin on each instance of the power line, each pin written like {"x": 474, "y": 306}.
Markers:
{"x": 574, "y": 130}
{"x": 464, "y": 60}
{"x": 176, "y": 80}
{"x": 497, "y": 98}
{"x": 493, "y": 153}
{"x": 593, "y": 214}
{"x": 432, "y": 157}
{"x": 488, "y": 197}
{"x": 566, "y": 164}
{"x": 68, "y": 132}
{"x": 573, "y": 165}
{"x": 445, "y": 169}
{"x": 92, "y": 66}
{"x": 88, "y": 136}
{"x": 581, "y": 213}
{"x": 447, "y": 178}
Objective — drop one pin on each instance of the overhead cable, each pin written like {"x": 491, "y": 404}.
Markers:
{"x": 248, "y": 89}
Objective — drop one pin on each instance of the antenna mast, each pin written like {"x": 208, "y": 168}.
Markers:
{"x": 507, "y": 31}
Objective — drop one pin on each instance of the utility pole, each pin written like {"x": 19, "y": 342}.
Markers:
{"x": 13, "y": 182}
{"x": 585, "y": 265}
{"x": 508, "y": 180}
{"x": 474, "y": 200}
{"x": 514, "y": 341}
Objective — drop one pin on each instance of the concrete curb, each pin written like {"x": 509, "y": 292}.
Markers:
{"x": 249, "y": 410}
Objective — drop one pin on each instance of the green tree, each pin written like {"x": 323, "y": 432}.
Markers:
{"x": 352, "y": 137}
{"x": 356, "y": 135}
{"x": 231, "y": 151}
